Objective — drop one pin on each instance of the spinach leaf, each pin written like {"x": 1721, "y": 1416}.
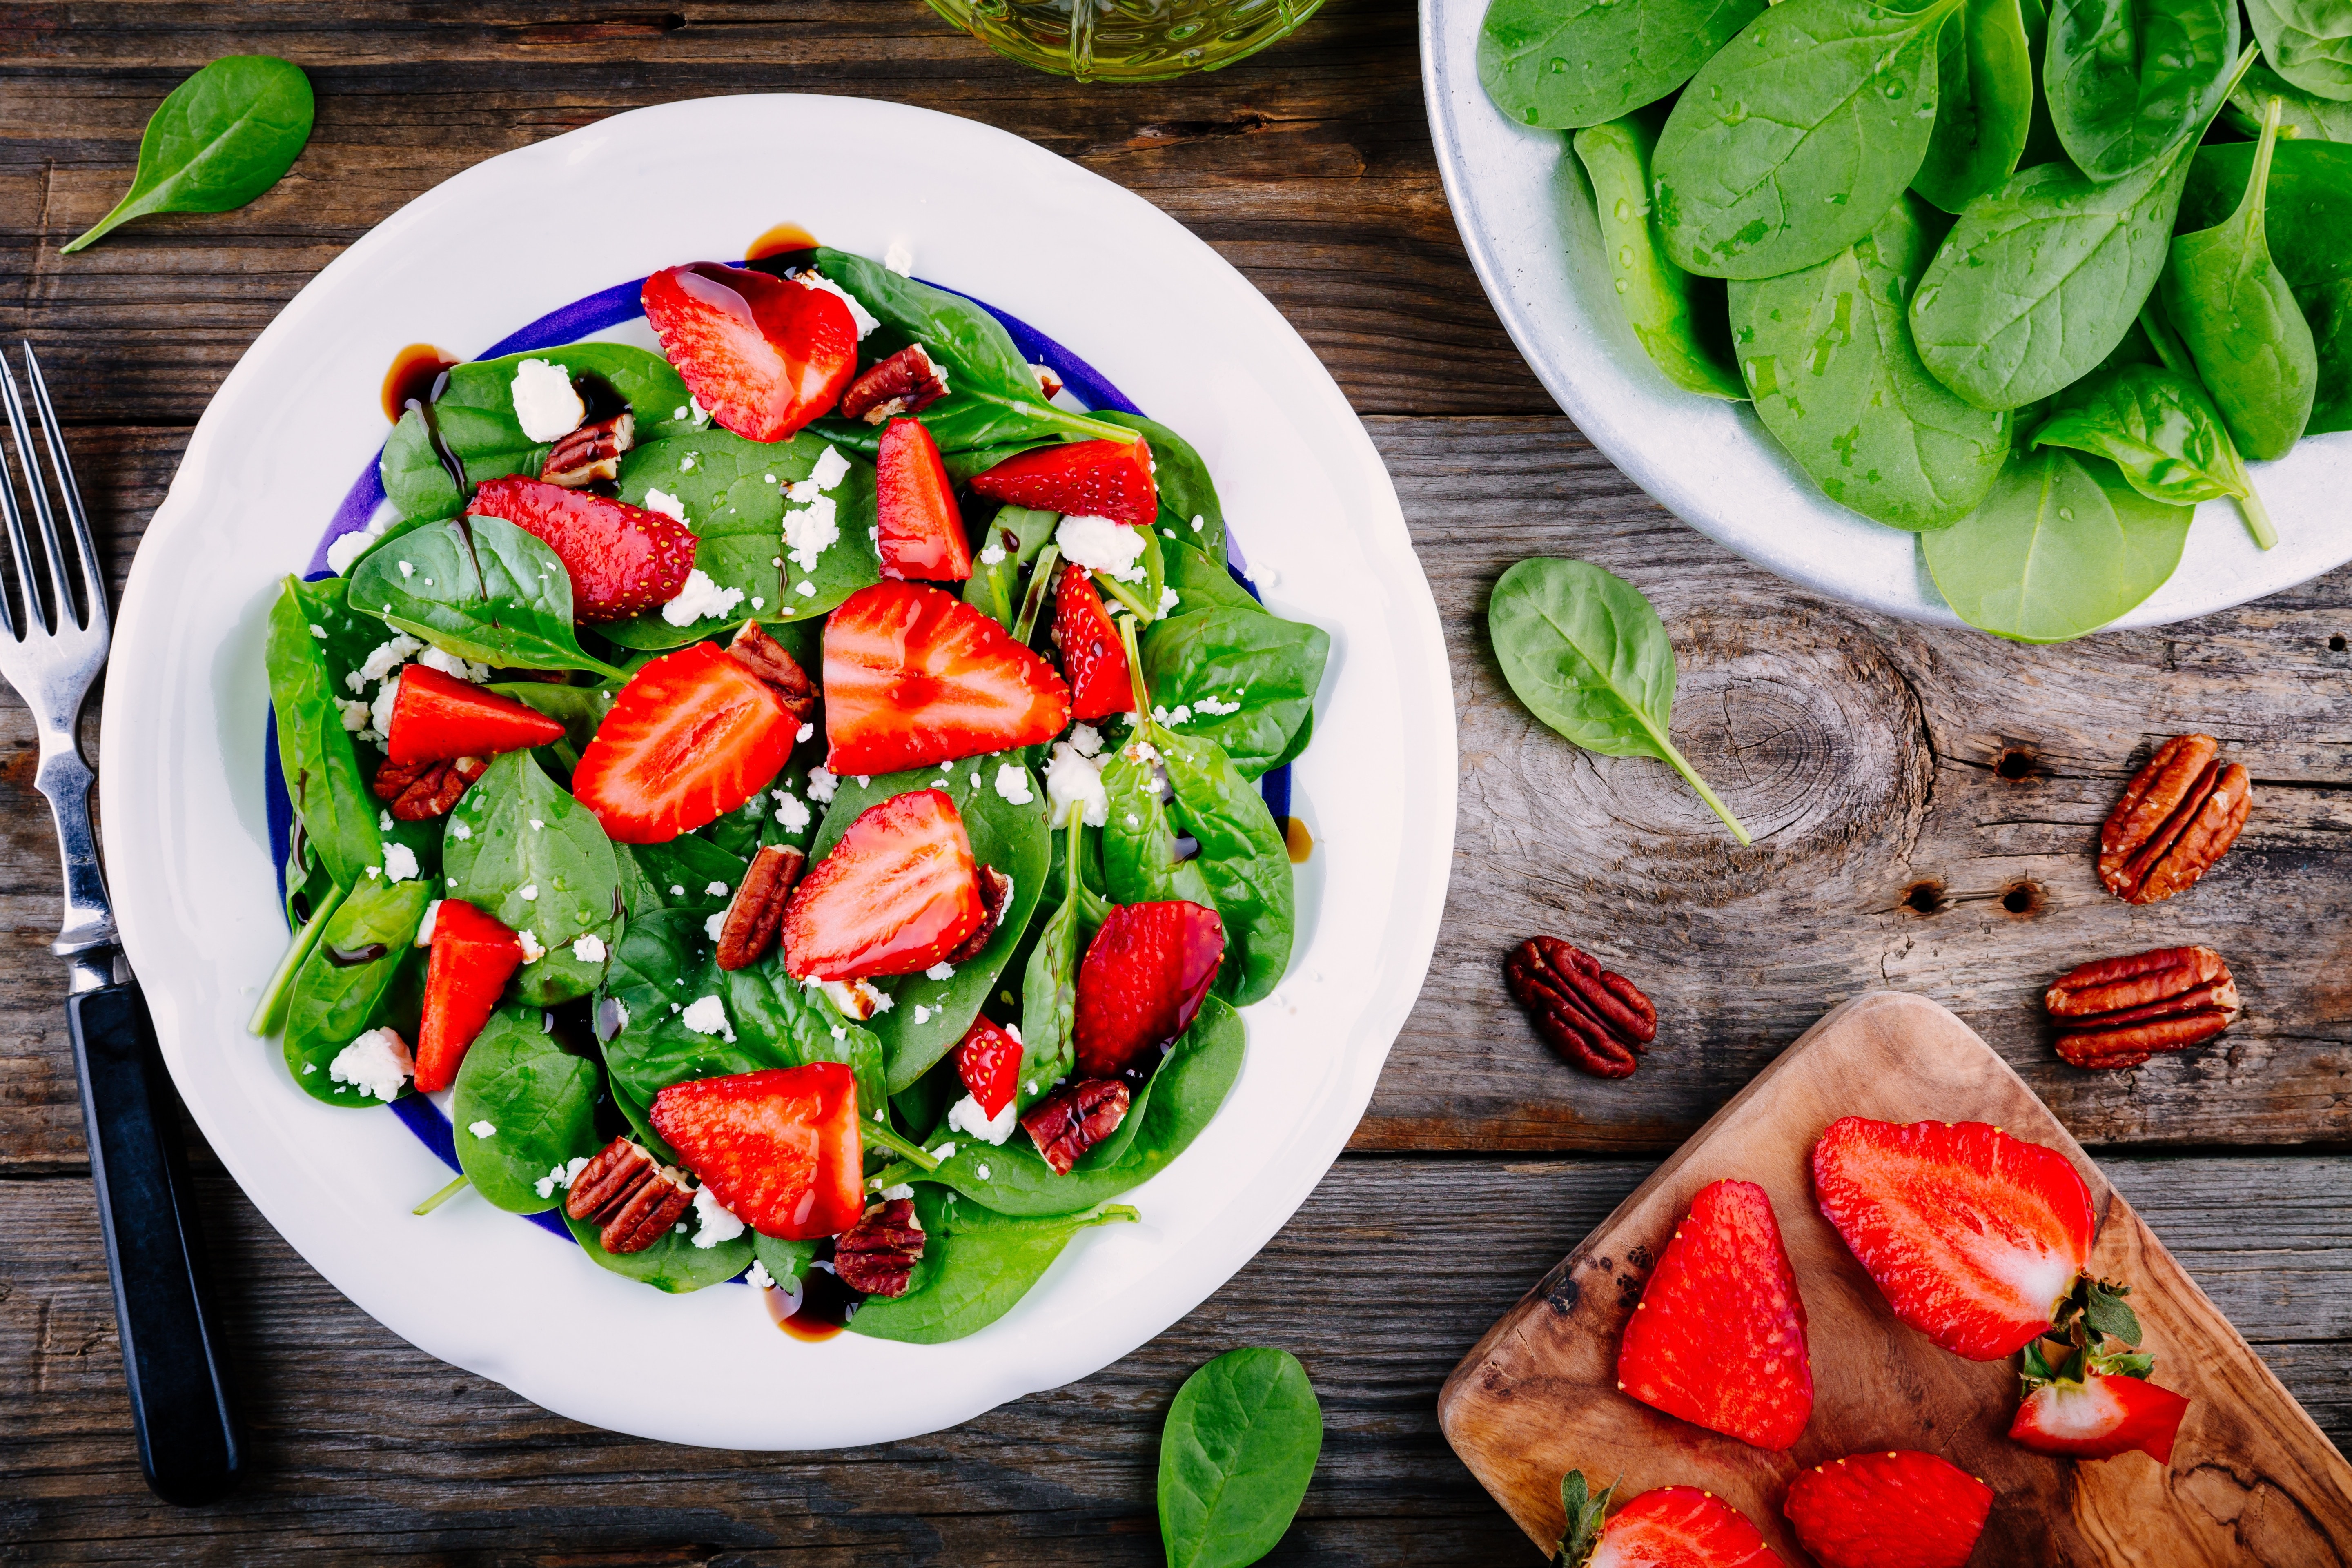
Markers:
{"x": 1828, "y": 353}
{"x": 341, "y": 990}
{"x": 1984, "y": 105}
{"x": 524, "y": 851}
{"x": 1188, "y": 498}
{"x": 1141, "y": 859}
{"x": 1242, "y": 678}
{"x": 1235, "y": 1458}
{"x": 579, "y": 709}
{"x": 1589, "y": 656}
{"x": 678, "y": 875}
{"x": 1788, "y": 145}
{"x": 480, "y": 587}
{"x": 539, "y": 1101}
{"x": 2127, "y": 78}
{"x": 975, "y": 1267}
{"x": 2305, "y": 115}
{"x": 786, "y": 1260}
{"x": 2309, "y": 42}
{"x": 1678, "y": 318}
{"x": 2061, "y": 546}
{"x": 2160, "y": 428}
{"x": 1017, "y": 534}
{"x": 315, "y": 751}
{"x": 1049, "y": 982}
{"x": 219, "y": 140}
{"x": 1242, "y": 858}
{"x": 674, "y": 1263}
{"x": 1561, "y": 66}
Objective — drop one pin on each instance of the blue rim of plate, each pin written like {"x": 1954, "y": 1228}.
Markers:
{"x": 606, "y": 308}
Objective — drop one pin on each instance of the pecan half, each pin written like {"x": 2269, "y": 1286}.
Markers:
{"x": 2179, "y": 814}
{"x": 878, "y": 1254}
{"x": 765, "y": 657}
{"x": 756, "y": 913}
{"x": 906, "y": 383}
{"x": 590, "y": 453}
{"x": 632, "y": 1198}
{"x": 2118, "y": 1012}
{"x": 421, "y": 791}
{"x": 1066, "y": 1125}
{"x": 1592, "y": 1018}
{"x": 995, "y": 893}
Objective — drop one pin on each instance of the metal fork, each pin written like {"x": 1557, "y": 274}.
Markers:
{"x": 172, "y": 1356}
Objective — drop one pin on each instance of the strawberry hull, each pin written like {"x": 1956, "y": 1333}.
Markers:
{"x": 2100, "y": 1418}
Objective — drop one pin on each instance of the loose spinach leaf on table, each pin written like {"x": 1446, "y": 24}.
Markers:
{"x": 1233, "y": 673}
{"x": 539, "y": 1101}
{"x": 2160, "y": 428}
{"x": 217, "y": 142}
{"x": 1676, "y": 317}
{"x": 1827, "y": 352}
{"x": 975, "y": 1267}
{"x": 480, "y": 587}
{"x": 1561, "y": 66}
{"x": 315, "y": 752}
{"x": 674, "y": 1263}
{"x": 2127, "y": 78}
{"x": 1984, "y": 104}
{"x": 1188, "y": 498}
{"x": 2304, "y": 115}
{"x": 1791, "y": 143}
{"x": 1235, "y": 1458}
{"x": 343, "y": 987}
{"x": 1018, "y": 535}
{"x": 2309, "y": 42}
{"x": 530, "y": 855}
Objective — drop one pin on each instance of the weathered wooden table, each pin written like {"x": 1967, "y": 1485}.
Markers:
{"x": 1924, "y": 803}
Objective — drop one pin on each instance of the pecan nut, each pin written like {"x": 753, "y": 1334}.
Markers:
{"x": 878, "y": 1254}
{"x": 1066, "y": 1125}
{"x": 765, "y": 657}
{"x": 590, "y": 453}
{"x": 996, "y": 895}
{"x": 907, "y": 382}
{"x": 756, "y": 913}
{"x": 2118, "y": 1012}
{"x": 2179, "y": 814}
{"x": 419, "y": 792}
{"x": 632, "y": 1198}
{"x": 1595, "y": 1018}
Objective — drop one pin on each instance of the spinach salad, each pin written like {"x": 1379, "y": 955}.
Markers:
{"x": 797, "y": 793}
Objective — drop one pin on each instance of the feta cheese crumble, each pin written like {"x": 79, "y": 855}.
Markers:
{"x": 791, "y": 811}
{"x": 857, "y": 999}
{"x": 707, "y": 1016}
{"x": 1098, "y": 544}
{"x": 900, "y": 258}
{"x": 449, "y": 664}
{"x": 560, "y": 1176}
{"x": 965, "y": 1116}
{"x": 546, "y": 405}
{"x": 992, "y": 555}
{"x": 943, "y": 969}
{"x": 1086, "y": 740}
{"x": 379, "y": 710}
{"x": 1074, "y": 786}
{"x": 345, "y": 549}
{"x": 903, "y": 1190}
{"x": 859, "y": 313}
{"x": 821, "y": 785}
{"x": 589, "y": 949}
{"x": 527, "y": 892}
{"x": 712, "y": 927}
{"x": 387, "y": 657}
{"x": 1214, "y": 708}
{"x": 399, "y": 862}
{"x": 714, "y": 1221}
{"x": 1167, "y": 601}
{"x": 531, "y": 950}
{"x": 700, "y": 600}
{"x": 377, "y": 1063}
{"x": 810, "y": 532}
{"x": 425, "y": 926}
{"x": 667, "y": 504}
{"x": 483, "y": 1130}
{"x": 717, "y": 890}
{"x": 759, "y": 1278}
{"x": 1012, "y": 785}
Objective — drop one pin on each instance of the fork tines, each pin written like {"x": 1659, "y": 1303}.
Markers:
{"x": 28, "y": 608}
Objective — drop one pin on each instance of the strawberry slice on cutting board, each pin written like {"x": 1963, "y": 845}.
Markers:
{"x": 1668, "y": 1527}
{"x": 473, "y": 956}
{"x": 437, "y": 718}
{"x": 1091, "y": 655}
{"x": 897, "y": 894}
{"x": 693, "y": 735}
{"x": 623, "y": 560}
{"x": 914, "y": 675}
{"x": 1079, "y": 478}
{"x": 781, "y": 1147}
{"x": 1141, "y": 982}
{"x": 919, "y": 528}
{"x": 1719, "y": 1337}
{"x": 1975, "y": 1238}
{"x": 1881, "y": 1510}
{"x": 764, "y": 356}
{"x": 2098, "y": 1416}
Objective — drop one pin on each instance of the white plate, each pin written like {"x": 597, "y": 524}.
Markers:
{"x": 1103, "y": 271}
{"x": 1526, "y": 213}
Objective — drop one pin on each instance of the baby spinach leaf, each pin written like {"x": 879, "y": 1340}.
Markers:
{"x": 1562, "y": 64}
{"x": 1828, "y": 353}
{"x": 2309, "y": 42}
{"x": 315, "y": 750}
{"x": 1242, "y": 858}
{"x": 579, "y": 709}
{"x": 975, "y": 1267}
{"x": 1140, "y": 862}
{"x": 538, "y": 1099}
{"x": 1017, "y": 534}
{"x": 1788, "y": 145}
{"x": 1984, "y": 104}
{"x": 1235, "y": 1458}
{"x": 2127, "y": 78}
{"x": 480, "y": 587}
{"x": 1678, "y": 318}
{"x": 674, "y": 1263}
{"x": 1049, "y": 987}
{"x": 1589, "y": 656}
{"x": 521, "y": 848}
{"x": 2305, "y": 115}
{"x": 2160, "y": 428}
{"x": 1245, "y": 678}
{"x": 340, "y": 992}
{"x": 678, "y": 875}
{"x": 2061, "y": 546}
{"x": 219, "y": 140}
{"x": 1187, "y": 497}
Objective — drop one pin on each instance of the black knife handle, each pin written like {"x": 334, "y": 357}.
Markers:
{"x": 172, "y": 1356}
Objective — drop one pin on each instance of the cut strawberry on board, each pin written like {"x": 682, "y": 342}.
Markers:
{"x": 623, "y": 560}
{"x": 914, "y": 675}
{"x": 1079, "y": 478}
{"x": 693, "y": 735}
{"x": 1975, "y": 1238}
{"x": 989, "y": 1063}
{"x": 1141, "y": 982}
{"x": 1670, "y": 1527}
{"x": 765, "y": 356}
{"x": 2098, "y": 1415}
{"x": 1091, "y": 655}
{"x": 895, "y": 896}
{"x": 919, "y": 532}
{"x": 781, "y": 1148}
{"x": 1719, "y": 1337}
{"x": 437, "y": 718}
{"x": 473, "y": 956}
{"x": 1881, "y": 1510}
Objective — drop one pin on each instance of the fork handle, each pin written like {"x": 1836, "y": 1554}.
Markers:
{"x": 172, "y": 1356}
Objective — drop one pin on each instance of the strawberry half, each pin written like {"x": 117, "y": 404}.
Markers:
{"x": 781, "y": 1147}
{"x": 693, "y": 735}
{"x": 2098, "y": 1415}
{"x": 1080, "y": 479}
{"x": 988, "y": 1062}
{"x": 1719, "y": 1337}
{"x": 1902, "y": 1510}
{"x": 473, "y": 956}
{"x": 897, "y": 894}
{"x": 623, "y": 560}
{"x": 764, "y": 356}
{"x": 1141, "y": 982}
{"x": 915, "y": 676}
{"x": 437, "y": 718}
{"x": 1669, "y": 1527}
{"x": 1091, "y": 655}
{"x": 919, "y": 531}
{"x": 1975, "y": 1238}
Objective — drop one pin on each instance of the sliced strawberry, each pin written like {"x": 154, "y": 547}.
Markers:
{"x": 915, "y": 676}
{"x": 988, "y": 1062}
{"x": 1902, "y": 1510}
{"x": 765, "y": 356}
{"x": 1719, "y": 1337}
{"x": 920, "y": 531}
{"x": 1080, "y": 479}
{"x": 2100, "y": 1415}
{"x": 781, "y": 1147}
{"x": 693, "y": 735}
{"x": 1141, "y": 980}
{"x": 473, "y": 956}
{"x": 1670, "y": 1527}
{"x": 896, "y": 895}
{"x": 1091, "y": 655}
{"x": 1974, "y": 1236}
{"x": 623, "y": 560}
{"x": 437, "y": 718}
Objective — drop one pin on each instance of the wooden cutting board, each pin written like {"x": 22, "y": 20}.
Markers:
{"x": 2253, "y": 1480}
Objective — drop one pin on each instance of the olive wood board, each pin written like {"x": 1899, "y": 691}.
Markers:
{"x": 2253, "y": 1481}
